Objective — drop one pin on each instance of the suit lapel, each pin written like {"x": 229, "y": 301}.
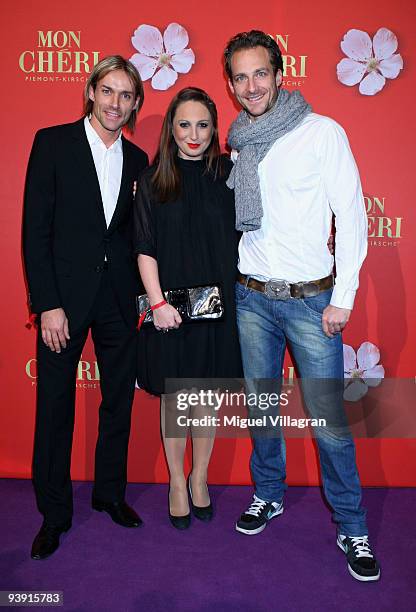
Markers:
{"x": 85, "y": 161}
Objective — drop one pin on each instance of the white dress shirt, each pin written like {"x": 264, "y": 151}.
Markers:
{"x": 308, "y": 175}
{"x": 109, "y": 167}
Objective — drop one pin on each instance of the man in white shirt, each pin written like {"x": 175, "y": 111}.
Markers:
{"x": 293, "y": 172}
{"x": 82, "y": 276}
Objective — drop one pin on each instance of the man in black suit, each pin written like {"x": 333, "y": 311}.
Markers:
{"x": 82, "y": 276}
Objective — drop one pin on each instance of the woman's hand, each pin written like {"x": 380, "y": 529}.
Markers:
{"x": 166, "y": 317}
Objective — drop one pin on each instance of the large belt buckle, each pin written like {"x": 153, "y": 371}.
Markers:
{"x": 277, "y": 289}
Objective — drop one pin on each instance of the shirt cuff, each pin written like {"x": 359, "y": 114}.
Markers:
{"x": 342, "y": 298}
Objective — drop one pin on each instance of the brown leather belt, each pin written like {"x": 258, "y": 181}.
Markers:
{"x": 282, "y": 290}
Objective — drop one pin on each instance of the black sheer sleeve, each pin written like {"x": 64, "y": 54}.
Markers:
{"x": 144, "y": 222}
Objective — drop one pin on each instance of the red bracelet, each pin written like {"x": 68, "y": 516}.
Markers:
{"x": 143, "y": 315}
{"x": 159, "y": 305}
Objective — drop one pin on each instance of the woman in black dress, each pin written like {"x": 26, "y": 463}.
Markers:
{"x": 185, "y": 237}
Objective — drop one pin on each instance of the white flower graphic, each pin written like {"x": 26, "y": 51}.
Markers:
{"x": 378, "y": 59}
{"x": 162, "y": 58}
{"x": 361, "y": 371}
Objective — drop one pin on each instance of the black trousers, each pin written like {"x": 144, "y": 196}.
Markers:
{"x": 115, "y": 349}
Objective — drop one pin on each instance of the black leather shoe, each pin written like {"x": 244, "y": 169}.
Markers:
{"x": 120, "y": 512}
{"x": 47, "y": 540}
{"x": 203, "y": 513}
{"x": 179, "y": 522}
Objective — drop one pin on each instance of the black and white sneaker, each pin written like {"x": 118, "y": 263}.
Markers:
{"x": 258, "y": 514}
{"x": 362, "y": 564}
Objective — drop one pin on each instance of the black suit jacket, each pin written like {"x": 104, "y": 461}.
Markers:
{"x": 65, "y": 237}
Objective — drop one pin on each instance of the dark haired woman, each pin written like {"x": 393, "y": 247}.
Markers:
{"x": 185, "y": 237}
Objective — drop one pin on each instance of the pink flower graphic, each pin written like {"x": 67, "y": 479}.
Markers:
{"x": 162, "y": 58}
{"x": 361, "y": 371}
{"x": 377, "y": 59}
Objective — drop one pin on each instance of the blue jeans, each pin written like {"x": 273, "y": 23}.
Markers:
{"x": 265, "y": 326}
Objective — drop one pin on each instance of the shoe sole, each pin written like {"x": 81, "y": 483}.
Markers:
{"x": 44, "y": 557}
{"x": 278, "y": 512}
{"x": 353, "y": 573}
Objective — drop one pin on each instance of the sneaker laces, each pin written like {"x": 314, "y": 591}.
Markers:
{"x": 361, "y": 546}
{"x": 256, "y": 507}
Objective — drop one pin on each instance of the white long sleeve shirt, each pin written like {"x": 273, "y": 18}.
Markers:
{"x": 109, "y": 167}
{"x": 308, "y": 175}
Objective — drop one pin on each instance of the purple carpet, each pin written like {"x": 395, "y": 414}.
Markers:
{"x": 293, "y": 565}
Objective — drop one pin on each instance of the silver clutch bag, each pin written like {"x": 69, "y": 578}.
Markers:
{"x": 203, "y": 303}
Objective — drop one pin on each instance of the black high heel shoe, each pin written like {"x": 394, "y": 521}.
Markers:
{"x": 179, "y": 522}
{"x": 203, "y": 513}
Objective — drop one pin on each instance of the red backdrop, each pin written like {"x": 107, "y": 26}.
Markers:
{"x": 44, "y": 69}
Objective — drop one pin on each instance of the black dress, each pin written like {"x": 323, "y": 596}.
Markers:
{"x": 195, "y": 243}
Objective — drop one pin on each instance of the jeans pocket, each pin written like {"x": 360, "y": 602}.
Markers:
{"x": 242, "y": 293}
{"x": 316, "y": 305}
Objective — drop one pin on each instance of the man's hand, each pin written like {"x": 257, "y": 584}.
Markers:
{"x": 55, "y": 330}
{"x": 334, "y": 320}
{"x": 166, "y": 317}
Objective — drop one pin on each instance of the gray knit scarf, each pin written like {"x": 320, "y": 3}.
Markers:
{"x": 253, "y": 140}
